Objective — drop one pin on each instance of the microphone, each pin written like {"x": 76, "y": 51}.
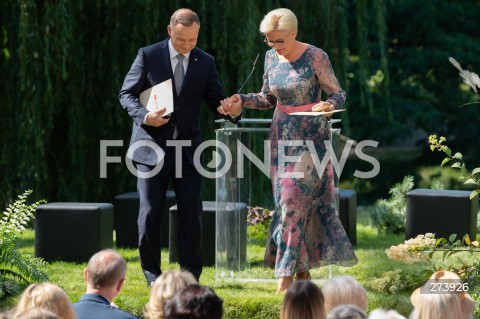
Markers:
{"x": 248, "y": 77}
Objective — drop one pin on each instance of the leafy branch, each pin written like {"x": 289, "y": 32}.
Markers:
{"x": 452, "y": 245}
{"x": 456, "y": 161}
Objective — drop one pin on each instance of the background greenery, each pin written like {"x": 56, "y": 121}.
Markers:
{"x": 62, "y": 64}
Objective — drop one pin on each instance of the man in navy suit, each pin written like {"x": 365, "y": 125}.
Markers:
{"x": 105, "y": 276}
{"x": 176, "y": 56}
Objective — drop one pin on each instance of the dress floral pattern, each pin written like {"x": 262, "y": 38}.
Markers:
{"x": 305, "y": 231}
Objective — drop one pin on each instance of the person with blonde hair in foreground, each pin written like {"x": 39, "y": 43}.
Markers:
{"x": 164, "y": 288}
{"x": 46, "y": 296}
{"x": 438, "y": 306}
{"x": 37, "y": 313}
{"x": 385, "y": 314}
{"x": 304, "y": 300}
{"x": 340, "y": 290}
{"x": 443, "y": 296}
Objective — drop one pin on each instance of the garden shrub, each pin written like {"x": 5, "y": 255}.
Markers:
{"x": 388, "y": 215}
{"x": 17, "y": 268}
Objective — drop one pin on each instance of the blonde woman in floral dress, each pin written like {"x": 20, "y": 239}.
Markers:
{"x": 305, "y": 232}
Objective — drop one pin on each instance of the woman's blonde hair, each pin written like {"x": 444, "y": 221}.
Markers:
{"x": 163, "y": 289}
{"x": 344, "y": 290}
{"x": 279, "y": 20}
{"x": 444, "y": 277}
{"x": 432, "y": 305}
{"x": 46, "y": 296}
{"x": 37, "y": 313}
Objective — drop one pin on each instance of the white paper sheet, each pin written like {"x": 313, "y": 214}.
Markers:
{"x": 312, "y": 113}
{"x": 160, "y": 95}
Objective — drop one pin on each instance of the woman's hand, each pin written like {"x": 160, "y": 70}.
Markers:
{"x": 324, "y": 107}
{"x": 231, "y": 106}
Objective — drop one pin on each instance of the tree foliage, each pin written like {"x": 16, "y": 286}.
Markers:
{"x": 63, "y": 62}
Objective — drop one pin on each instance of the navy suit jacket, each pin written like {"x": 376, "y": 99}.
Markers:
{"x": 201, "y": 83}
{"x": 92, "y": 306}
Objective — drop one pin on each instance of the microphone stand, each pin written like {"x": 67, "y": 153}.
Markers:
{"x": 233, "y": 180}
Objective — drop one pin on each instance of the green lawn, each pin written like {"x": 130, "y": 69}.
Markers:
{"x": 243, "y": 299}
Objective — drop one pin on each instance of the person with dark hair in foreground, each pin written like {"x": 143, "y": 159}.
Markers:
{"x": 304, "y": 300}
{"x": 194, "y": 302}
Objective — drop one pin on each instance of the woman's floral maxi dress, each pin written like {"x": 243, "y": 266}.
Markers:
{"x": 305, "y": 231}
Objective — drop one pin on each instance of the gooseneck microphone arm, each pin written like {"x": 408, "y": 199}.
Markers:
{"x": 233, "y": 181}
{"x": 248, "y": 77}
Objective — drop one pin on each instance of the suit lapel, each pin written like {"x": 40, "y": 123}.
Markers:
{"x": 164, "y": 60}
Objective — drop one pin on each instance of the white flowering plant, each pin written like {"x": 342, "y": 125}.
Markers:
{"x": 454, "y": 254}
{"x": 392, "y": 282}
{"x": 412, "y": 250}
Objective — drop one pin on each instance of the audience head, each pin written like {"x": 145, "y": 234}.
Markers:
{"x": 385, "y": 314}
{"x": 164, "y": 288}
{"x": 341, "y": 290}
{"x": 105, "y": 269}
{"x": 105, "y": 273}
{"x": 422, "y": 297}
{"x": 46, "y": 296}
{"x": 194, "y": 302}
{"x": 37, "y": 313}
{"x": 347, "y": 312}
{"x": 303, "y": 300}
{"x": 438, "y": 306}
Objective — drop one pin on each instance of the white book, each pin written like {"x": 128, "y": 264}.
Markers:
{"x": 160, "y": 95}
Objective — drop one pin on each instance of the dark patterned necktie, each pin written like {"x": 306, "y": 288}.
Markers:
{"x": 179, "y": 73}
